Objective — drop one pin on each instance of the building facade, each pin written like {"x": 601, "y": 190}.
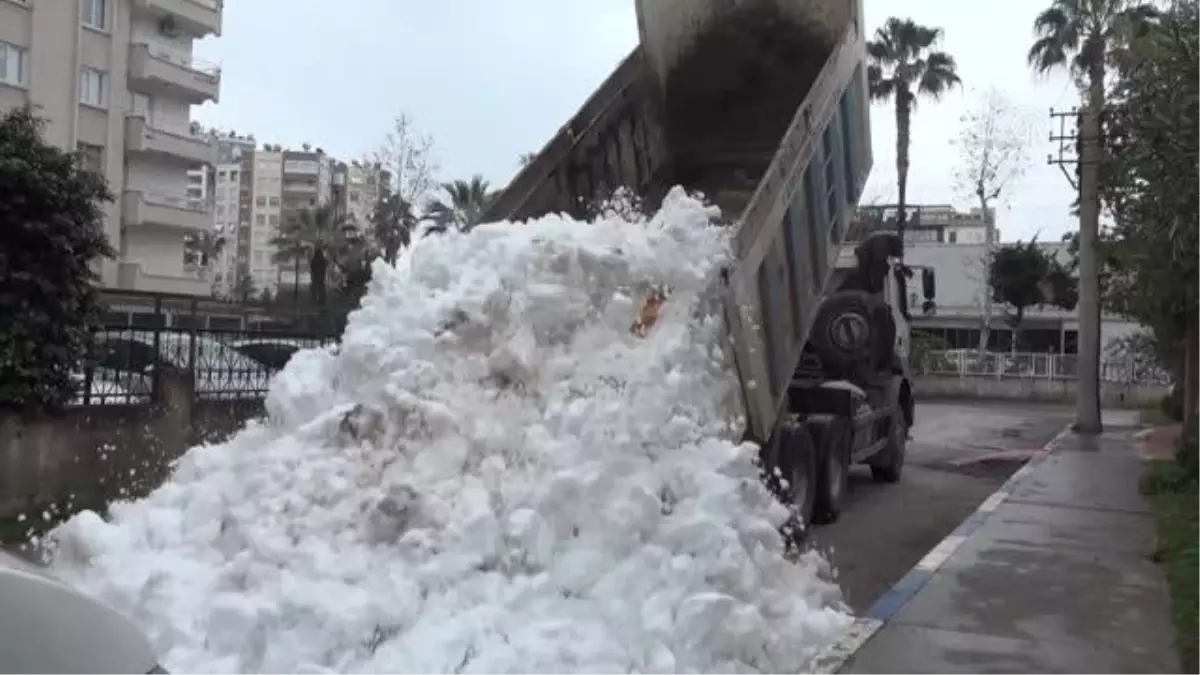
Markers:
{"x": 931, "y": 223}
{"x": 220, "y": 186}
{"x": 116, "y": 80}
{"x": 960, "y": 270}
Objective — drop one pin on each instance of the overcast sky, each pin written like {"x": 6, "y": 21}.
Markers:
{"x": 491, "y": 79}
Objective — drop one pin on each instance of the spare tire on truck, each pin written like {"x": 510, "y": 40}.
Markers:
{"x": 852, "y": 328}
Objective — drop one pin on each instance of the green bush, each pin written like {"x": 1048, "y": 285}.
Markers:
{"x": 51, "y": 232}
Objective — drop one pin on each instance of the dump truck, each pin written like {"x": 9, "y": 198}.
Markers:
{"x": 762, "y": 106}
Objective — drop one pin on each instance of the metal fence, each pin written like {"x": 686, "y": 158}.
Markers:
{"x": 968, "y": 362}
{"x": 122, "y": 362}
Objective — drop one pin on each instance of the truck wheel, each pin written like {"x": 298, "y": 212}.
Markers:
{"x": 833, "y": 468}
{"x": 798, "y": 465}
{"x": 890, "y": 461}
{"x": 843, "y": 329}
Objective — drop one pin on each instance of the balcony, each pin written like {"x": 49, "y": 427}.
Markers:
{"x": 130, "y": 277}
{"x": 301, "y": 187}
{"x": 153, "y": 209}
{"x": 197, "y": 17}
{"x": 141, "y": 137}
{"x": 158, "y": 70}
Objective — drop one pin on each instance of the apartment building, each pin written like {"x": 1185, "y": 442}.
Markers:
{"x": 220, "y": 186}
{"x": 359, "y": 188}
{"x": 116, "y": 79}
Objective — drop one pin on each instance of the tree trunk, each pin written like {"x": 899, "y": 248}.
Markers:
{"x": 989, "y": 233}
{"x": 902, "y": 140}
{"x": 317, "y": 268}
{"x": 1087, "y": 403}
{"x": 1191, "y": 377}
{"x": 296, "y": 280}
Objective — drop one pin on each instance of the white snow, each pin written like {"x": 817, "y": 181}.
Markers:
{"x": 491, "y": 474}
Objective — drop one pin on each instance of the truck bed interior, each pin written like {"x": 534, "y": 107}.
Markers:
{"x": 731, "y": 95}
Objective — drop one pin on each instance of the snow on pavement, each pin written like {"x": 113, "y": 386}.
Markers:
{"x": 491, "y": 474}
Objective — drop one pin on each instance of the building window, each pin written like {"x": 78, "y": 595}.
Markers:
{"x": 275, "y": 201}
{"x": 954, "y": 238}
{"x": 14, "y": 68}
{"x": 260, "y": 201}
{"x": 274, "y": 219}
{"x": 260, "y": 219}
{"x": 93, "y": 87}
{"x": 94, "y": 13}
{"x": 91, "y": 157}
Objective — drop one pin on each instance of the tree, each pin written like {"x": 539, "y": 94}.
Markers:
{"x": 1149, "y": 183}
{"x": 408, "y": 156}
{"x": 313, "y": 235}
{"x": 203, "y": 248}
{"x": 243, "y": 289}
{"x": 1024, "y": 275}
{"x": 902, "y": 65}
{"x": 1081, "y": 36}
{"x": 468, "y": 200}
{"x": 993, "y": 142}
{"x": 392, "y": 224}
{"x": 51, "y": 233}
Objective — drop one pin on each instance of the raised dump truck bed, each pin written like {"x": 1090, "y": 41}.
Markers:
{"x": 762, "y": 106}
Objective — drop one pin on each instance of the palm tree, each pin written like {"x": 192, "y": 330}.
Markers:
{"x": 243, "y": 288}
{"x": 290, "y": 250}
{"x": 902, "y": 66}
{"x": 468, "y": 201}
{"x": 1080, "y": 36}
{"x": 314, "y": 235}
{"x": 203, "y": 248}
{"x": 392, "y": 223}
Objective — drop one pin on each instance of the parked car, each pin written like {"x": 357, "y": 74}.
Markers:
{"x": 271, "y": 352}
{"x": 220, "y": 371}
{"x": 50, "y": 627}
{"x": 104, "y": 389}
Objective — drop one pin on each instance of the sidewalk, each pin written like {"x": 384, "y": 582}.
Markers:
{"x": 1052, "y": 575}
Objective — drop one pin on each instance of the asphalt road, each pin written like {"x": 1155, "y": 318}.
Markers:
{"x": 959, "y": 454}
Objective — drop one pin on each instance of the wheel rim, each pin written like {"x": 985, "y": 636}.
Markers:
{"x": 847, "y": 331}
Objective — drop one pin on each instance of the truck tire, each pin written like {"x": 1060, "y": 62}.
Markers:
{"x": 843, "y": 331}
{"x": 797, "y": 464}
{"x": 888, "y": 464}
{"x": 832, "y": 440}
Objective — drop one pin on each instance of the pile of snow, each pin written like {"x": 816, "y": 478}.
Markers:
{"x": 490, "y": 475}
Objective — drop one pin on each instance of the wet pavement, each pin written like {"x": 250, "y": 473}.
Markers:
{"x": 1058, "y": 578}
{"x": 959, "y": 454}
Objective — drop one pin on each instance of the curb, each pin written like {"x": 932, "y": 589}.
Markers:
{"x": 833, "y": 657}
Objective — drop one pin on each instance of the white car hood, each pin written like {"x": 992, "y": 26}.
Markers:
{"x": 48, "y": 627}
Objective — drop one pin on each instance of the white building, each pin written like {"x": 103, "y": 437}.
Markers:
{"x": 960, "y": 271}
{"x": 116, "y": 79}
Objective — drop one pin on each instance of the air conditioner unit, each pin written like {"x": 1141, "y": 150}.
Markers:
{"x": 168, "y": 28}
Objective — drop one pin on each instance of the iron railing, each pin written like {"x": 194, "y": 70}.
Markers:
{"x": 122, "y": 363}
{"x": 970, "y": 363}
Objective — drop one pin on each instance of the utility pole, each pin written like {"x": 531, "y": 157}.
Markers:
{"x": 1085, "y": 143}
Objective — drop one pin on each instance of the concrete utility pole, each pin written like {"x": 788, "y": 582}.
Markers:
{"x": 1087, "y": 161}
